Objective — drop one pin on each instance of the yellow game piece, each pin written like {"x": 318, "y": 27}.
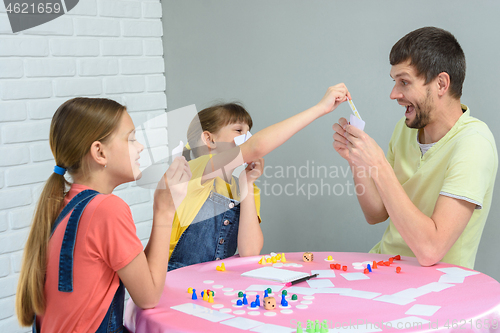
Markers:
{"x": 205, "y": 295}
{"x": 278, "y": 256}
{"x": 211, "y": 298}
{"x": 190, "y": 290}
{"x": 273, "y": 259}
{"x": 329, "y": 258}
{"x": 218, "y": 268}
{"x": 268, "y": 260}
{"x": 222, "y": 267}
{"x": 261, "y": 261}
{"x": 283, "y": 259}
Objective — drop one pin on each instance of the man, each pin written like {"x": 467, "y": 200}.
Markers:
{"x": 436, "y": 184}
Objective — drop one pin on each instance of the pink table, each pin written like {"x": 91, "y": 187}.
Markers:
{"x": 469, "y": 306}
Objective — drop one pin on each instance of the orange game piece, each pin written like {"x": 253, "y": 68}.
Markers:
{"x": 366, "y": 271}
{"x": 374, "y": 264}
{"x": 398, "y": 257}
{"x": 337, "y": 266}
{"x": 387, "y": 263}
{"x": 344, "y": 268}
{"x": 380, "y": 263}
{"x": 332, "y": 266}
{"x": 391, "y": 260}
{"x": 398, "y": 269}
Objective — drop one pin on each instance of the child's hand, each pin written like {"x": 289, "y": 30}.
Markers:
{"x": 172, "y": 188}
{"x": 253, "y": 171}
{"x": 334, "y": 97}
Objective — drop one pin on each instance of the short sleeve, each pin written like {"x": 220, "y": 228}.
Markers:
{"x": 111, "y": 235}
{"x": 470, "y": 170}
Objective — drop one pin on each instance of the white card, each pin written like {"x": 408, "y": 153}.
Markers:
{"x": 242, "y": 138}
{"x": 356, "y": 122}
{"x": 262, "y": 287}
{"x": 423, "y": 310}
{"x": 177, "y": 151}
{"x": 411, "y": 293}
{"x": 324, "y": 273}
{"x": 436, "y": 286}
{"x": 450, "y": 278}
{"x": 321, "y": 283}
{"x": 269, "y": 328}
{"x": 189, "y": 308}
{"x": 242, "y": 323}
{"x": 213, "y": 315}
{"x": 410, "y": 320}
{"x": 361, "y": 294}
{"x": 355, "y": 276}
{"x": 457, "y": 271}
{"x": 332, "y": 290}
{"x": 301, "y": 290}
{"x": 394, "y": 299}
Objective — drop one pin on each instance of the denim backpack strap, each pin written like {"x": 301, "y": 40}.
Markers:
{"x": 68, "y": 243}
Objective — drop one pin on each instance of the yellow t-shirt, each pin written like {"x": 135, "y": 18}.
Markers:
{"x": 462, "y": 165}
{"x": 197, "y": 194}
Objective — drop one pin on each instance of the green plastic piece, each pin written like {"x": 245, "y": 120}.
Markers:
{"x": 240, "y": 294}
{"x": 269, "y": 290}
{"x": 294, "y": 297}
{"x": 284, "y": 292}
{"x": 299, "y": 327}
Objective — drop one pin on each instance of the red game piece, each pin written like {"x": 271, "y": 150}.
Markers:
{"x": 337, "y": 266}
{"x": 374, "y": 264}
{"x": 381, "y": 263}
{"x": 332, "y": 266}
{"x": 367, "y": 271}
{"x": 344, "y": 268}
{"x": 398, "y": 257}
{"x": 398, "y": 269}
{"x": 391, "y": 260}
{"x": 387, "y": 263}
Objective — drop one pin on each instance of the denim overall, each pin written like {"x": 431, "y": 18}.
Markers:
{"x": 113, "y": 321}
{"x": 213, "y": 234}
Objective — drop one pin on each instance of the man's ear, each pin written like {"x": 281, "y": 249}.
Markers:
{"x": 98, "y": 154}
{"x": 208, "y": 139}
{"x": 443, "y": 83}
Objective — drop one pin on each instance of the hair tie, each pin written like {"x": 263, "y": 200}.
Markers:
{"x": 188, "y": 147}
{"x": 59, "y": 170}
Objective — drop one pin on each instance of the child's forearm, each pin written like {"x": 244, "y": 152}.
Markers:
{"x": 268, "y": 139}
{"x": 250, "y": 237}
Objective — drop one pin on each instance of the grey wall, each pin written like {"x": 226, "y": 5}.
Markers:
{"x": 278, "y": 57}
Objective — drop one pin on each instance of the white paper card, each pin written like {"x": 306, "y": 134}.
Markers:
{"x": 411, "y": 293}
{"x": 423, "y": 310}
{"x": 242, "y": 138}
{"x": 323, "y": 273}
{"x": 332, "y": 290}
{"x": 275, "y": 274}
{"x": 361, "y": 294}
{"x": 242, "y": 323}
{"x": 321, "y": 283}
{"x": 213, "y": 315}
{"x": 301, "y": 291}
{"x": 189, "y": 308}
{"x": 355, "y": 276}
{"x": 356, "y": 122}
{"x": 457, "y": 271}
{"x": 262, "y": 287}
{"x": 394, "y": 299}
{"x": 177, "y": 151}
{"x": 449, "y": 278}
{"x": 269, "y": 328}
{"x": 436, "y": 286}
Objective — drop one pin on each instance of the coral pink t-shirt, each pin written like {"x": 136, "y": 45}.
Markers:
{"x": 106, "y": 241}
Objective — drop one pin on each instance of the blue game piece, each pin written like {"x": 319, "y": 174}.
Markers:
{"x": 245, "y": 302}
{"x": 202, "y": 292}
{"x": 369, "y": 268}
{"x": 239, "y": 302}
{"x": 194, "y": 294}
{"x": 253, "y": 305}
{"x": 283, "y": 301}
{"x": 266, "y": 294}
{"x": 257, "y": 300}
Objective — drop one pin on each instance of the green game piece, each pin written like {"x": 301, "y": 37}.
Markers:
{"x": 317, "y": 327}
{"x": 213, "y": 293}
{"x": 299, "y": 327}
{"x": 310, "y": 327}
{"x": 294, "y": 297}
{"x": 240, "y": 294}
{"x": 324, "y": 327}
{"x": 269, "y": 290}
{"x": 284, "y": 292}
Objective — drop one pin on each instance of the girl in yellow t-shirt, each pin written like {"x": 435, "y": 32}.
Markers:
{"x": 220, "y": 212}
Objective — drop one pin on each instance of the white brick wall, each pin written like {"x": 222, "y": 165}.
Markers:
{"x": 102, "y": 48}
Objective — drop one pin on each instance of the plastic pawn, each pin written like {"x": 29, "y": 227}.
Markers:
{"x": 223, "y": 267}
{"x": 299, "y": 328}
{"x": 211, "y": 298}
{"x": 194, "y": 295}
{"x": 257, "y": 300}
{"x": 283, "y": 259}
{"x": 245, "y": 301}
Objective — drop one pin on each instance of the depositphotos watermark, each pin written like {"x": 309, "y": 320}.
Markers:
{"x": 311, "y": 180}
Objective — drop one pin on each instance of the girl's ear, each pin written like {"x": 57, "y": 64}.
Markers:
{"x": 208, "y": 139}
{"x": 97, "y": 153}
